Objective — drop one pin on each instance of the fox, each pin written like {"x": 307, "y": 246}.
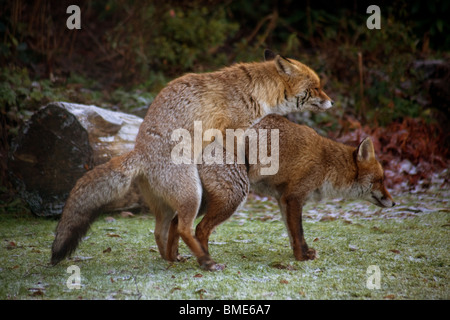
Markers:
{"x": 233, "y": 97}
{"x": 311, "y": 168}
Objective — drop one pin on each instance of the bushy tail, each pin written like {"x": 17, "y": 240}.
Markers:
{"x": 95, "y": 189}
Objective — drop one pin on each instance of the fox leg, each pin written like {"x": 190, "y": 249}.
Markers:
{"x": 184, "y": 199}
{"x": 186, "y": 216}
{"x": 175, "y": 190}
{"x": 225, "y": 188}
{"x": 291, "y": 209}
{"x": 215, "y": 215}
{"x": 162, "y": 226}
{"x": 217, "y": 211}
{"x": 220, "y": 205}
{"x": 172, "y": 241}
{"x": 163, "y": 214}
{"x": 167, "y": 222}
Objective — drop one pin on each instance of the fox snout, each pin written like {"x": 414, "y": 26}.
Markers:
{"x": 383, "y": 202}
{"x": 326, "y": 102}
{"x": 382, "y": 199}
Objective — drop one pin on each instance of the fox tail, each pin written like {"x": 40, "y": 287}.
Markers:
{"x": 95, "y": 189}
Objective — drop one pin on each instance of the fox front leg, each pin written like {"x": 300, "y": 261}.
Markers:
{"x": 291, "y": 207}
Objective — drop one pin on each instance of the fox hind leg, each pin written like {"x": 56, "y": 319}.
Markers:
{"x": 219, "y": 208}
{"x": 187, "y": 211}
{"x": 225, "y": 188}
{"x": 179, "y": 191}
{"x": 216, "y": 214}
{"x": 172, "y": 241}
{"x": 163, "y": 214}
{"x": 162, "y": 226}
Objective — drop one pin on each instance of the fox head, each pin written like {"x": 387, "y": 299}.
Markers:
{"x": 302, "y": 89}
{"x": 370, "y": 177}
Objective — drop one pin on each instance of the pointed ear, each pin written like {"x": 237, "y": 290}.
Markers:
{"x": 284, "y": 67}
{"x": 365, "y": 150}
{"x": 269, "y": 55}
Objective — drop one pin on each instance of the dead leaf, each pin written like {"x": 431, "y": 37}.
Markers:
{"x": 36, "y": 292}
{"x": 316, "y": 239}
{"x": 198, "y": 275}
{"x": 283, "y": 281}
{"x": 283, "y": 266}
{"x": 107, "y": 250}
{"x": 109, "y": 219}
{"x": 201, "y": 292}
{"x": 113, "y": 235}
{"x": 389, "y": 296}
{"x": 174, "y": 289}
{"x": 266, "y": 217}
{"x": 395, "y": 251}
{"x": 327, "y": 218}
{"x": 11, "y": 245}
{"x": 126, "y": 214}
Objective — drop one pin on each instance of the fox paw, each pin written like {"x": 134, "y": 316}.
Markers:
{"x": 309, "y": 254}
{"x": 210, "y": 265}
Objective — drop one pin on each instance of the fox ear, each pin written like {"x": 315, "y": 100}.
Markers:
{"x": 365, "y": 150}
{"x": 269, "y": 55}
{"x": 284, "y": 67}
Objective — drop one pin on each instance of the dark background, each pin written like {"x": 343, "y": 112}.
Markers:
{"x": 391, "y": 84}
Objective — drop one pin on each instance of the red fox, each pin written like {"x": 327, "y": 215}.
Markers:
{"x": 231, "y": 98}
{"x": 310, "y": 167}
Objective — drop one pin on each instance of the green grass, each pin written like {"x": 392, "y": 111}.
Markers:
{"x": 410, "y": 245}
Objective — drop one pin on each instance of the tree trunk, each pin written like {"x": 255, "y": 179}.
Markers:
{"x": 59, "y": 144}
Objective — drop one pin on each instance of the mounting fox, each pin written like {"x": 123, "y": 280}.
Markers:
{"x": 235, "y": 97}
{"x": 311, "y": 167}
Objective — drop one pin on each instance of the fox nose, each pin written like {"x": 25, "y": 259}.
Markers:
{"x": 393, "y": 203}
{"x": 332, "y": 102}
